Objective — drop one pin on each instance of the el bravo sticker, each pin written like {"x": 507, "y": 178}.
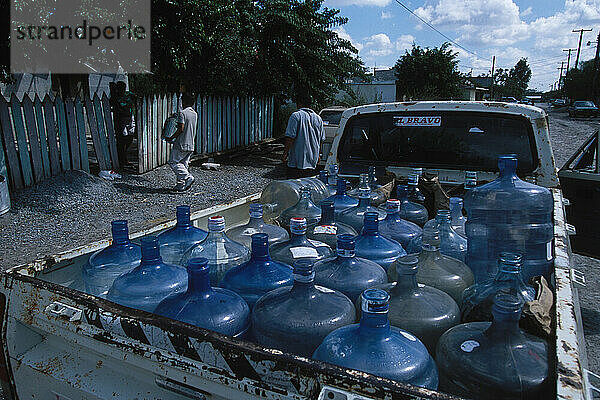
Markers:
{"x": 418, "y": 121}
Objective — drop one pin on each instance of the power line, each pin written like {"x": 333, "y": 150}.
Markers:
{"x": 437, "y": 30}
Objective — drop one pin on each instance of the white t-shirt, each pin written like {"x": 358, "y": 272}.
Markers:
{"x": 189, "y": 118}
{"x": 306, "y": 127}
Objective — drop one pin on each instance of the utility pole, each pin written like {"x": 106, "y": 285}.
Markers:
{"x": 579, "y": 45}
{"x": 568, "y": 59}
{"x": 492, "y": 84}
{"x": 562, "y": 65}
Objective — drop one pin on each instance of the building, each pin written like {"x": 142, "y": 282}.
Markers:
{"x": 381, "y": 89}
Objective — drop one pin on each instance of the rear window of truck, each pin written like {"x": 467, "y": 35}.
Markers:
{"x": 331, "y": 117}
{"x": 436, "y": 139}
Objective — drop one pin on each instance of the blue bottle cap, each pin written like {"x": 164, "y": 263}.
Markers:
{"x": 392, "y": 206}
{"x": 303, "y": 270}
{"x": 375, "y": 301}
{"x": 298, "y": 225}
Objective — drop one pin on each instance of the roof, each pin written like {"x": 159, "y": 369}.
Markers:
{"x": 385, "y": 75}
{"x": 481, "y": 81}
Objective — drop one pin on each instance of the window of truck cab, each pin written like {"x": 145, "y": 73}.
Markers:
{"x": 465, "y": 140}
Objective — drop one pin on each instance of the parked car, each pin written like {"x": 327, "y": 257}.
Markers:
{"x": 559, "y": 103}
{"x": 527, "y": 101}
{"x": 331, "y": 120}
{"x": 583, "y": 108}
{"x": 509, "y": 100}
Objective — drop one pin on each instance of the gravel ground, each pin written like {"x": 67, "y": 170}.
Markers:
{"x": 566, "y": 135}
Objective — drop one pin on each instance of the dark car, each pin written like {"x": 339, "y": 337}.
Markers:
{"x": 583, "y": 109}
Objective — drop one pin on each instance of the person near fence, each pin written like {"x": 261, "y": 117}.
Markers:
{"x": 303, "y": 138}
{"x": 183, "y": 144}
{"x": 124, "y": 123}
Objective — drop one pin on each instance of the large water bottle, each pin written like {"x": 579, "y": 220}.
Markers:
{"x": 376, "y": 196}
{"x": 341, "y": 200}
{"x": 105, "y": 265}
{"x": 411, "y": 211}
{"x": 299, "y": 246}
{"x": 451, "y": 243}
{"x": 496, "y": 360}
{"x": 332, "y": 178}
{"x": 423, "y": 310}
{"x": 478, "y": 299}
{"x": 279, "y": 195}
{"x": 370, "y": 244}
{"x": 222, "y": 252}
{"x": 177, "y": 240}
{"x": 297, "y": 318}
{"x": 324, "y": 177}
{"x": 348, "y": 273}
{"x": 259, "y": 275}
{"x": 395, "y": 228}
{"x": 242, "y": 234}
{"x": 217, "y": 309}
{"x": 355, "y": 216}
{"x": 150, "y": 282}
{"x": 456, "y": 214}
{"x": 328, "y": 229}
{"x": 509, "y": 214}
{"x": 303, "y": 208}
{"x": 414, "y": 193}
{"x": 375, "y": 347}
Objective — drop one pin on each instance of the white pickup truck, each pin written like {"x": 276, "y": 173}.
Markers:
{"x": 60, "y": 343}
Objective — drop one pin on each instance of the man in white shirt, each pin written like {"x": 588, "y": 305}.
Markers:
{"x": 183, "y": 144}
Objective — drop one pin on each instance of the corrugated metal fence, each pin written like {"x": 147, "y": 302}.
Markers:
{"x": 42, "y": 138}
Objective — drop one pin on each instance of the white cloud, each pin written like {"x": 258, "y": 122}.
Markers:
{"x": 344, "y": 35}
{"x": 340, "y": 3}
{"x": 378, "y": 45}
{"x": 386, "y": 15}
{"x": 404, "y": 42}
{"x": 527, "y": 12}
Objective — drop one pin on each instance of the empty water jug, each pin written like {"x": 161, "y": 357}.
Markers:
{"x": 370, "y": 244}
{"x": 376, "y": 196}
{"x": 332, "y": 177}
{"x": 409, "y": 210}
{"x": 105, "y": 265}
{"x": 279, "y": 195}
{"x": 494, "y": 360}
{"x": 324, "y": 177}
{"x": 145, "y": 286}
{"x": 478, "y": 299}
{"x": 355, "y": 216}
{"x": 423, "y": 310}
{"x": 303, "y": 208}
{"x": 456, "y": 214}
{"x": 207, "y": 307}
{"x": 375, "y": 347}
{"x": 259, "y": 275}
{"x": 509, "y": 214}
{"x": 176, "y": 241}
{"x": 341, "y": 201}
{"x": 297, "y": 318}
{"x": 395, "y": 228}
{"x": 414, "y": 193}
{"x": 348, "y": 273}
{"x": 299, "y": 246}
{"x": 222, "y": 252}
{"x": 451, "y": 243}
{"x": 327, "y": 229}
{"x": 242, "y": 234}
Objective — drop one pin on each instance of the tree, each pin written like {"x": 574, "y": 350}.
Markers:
{"x": 425, "y": 73}
{"x": 578, "y": 82}
{"x": 513, "y": 82}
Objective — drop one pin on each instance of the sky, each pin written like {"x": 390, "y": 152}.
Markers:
{"x": 382, "y": 30}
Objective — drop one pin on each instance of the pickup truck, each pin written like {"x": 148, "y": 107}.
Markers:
{"x": 61, "y": 343}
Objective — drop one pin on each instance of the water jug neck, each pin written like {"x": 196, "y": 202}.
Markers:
{"x": 256, "y": 212}
{"x": 392, "y": 208}
{"x": 327, "y": 212}
{"x": 198, "y": 275}
{"x": 364, "y": 197}
{"x": 374, "y": 307}
{"x": 120, "y": 232}
{"x": 406, "y": 270}
{"x": 346, "y": 246}
{"x": 341, "y": 187}
{"x": 402, "y": 193}
{"x": 150, "y": 250}
{"x": 413, "y": 181}
{"x": 372, "y": 177}
{"x": 297, "y": 227}
{"x": 333, "y": 174}
{"x": 371, "y": 223}
{"x": 183, "y": 217}
{"x": 363, "y": 181}
{"x": 431, "y": 238}
{"x": 506, "y": 313}
{"x": 304, "y": 194}
{"x": 456, "y": 207}
{"x": 470, "y": 180}
{"x": 509, "y": 269}
{"x": 304, "y": 274}
{"x": 324, "y": 176}
{"x": 216, "y": 224}
{"x": 508, "y": 166}
{"x": 260, "y": 247}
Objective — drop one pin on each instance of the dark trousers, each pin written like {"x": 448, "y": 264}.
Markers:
{"x": 295, "y": 173}
{"x": 123, "y": 143}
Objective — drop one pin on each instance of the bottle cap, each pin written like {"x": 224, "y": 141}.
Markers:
{"x": 407, "y": 265}
{"x": 216, "y": 223}
{"x": 392, "y": 206}
{"x": 298, "y": 225}
{"x": 375, "y": 301}
{"x": 303, "y": 270}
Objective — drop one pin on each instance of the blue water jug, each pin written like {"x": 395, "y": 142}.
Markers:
{"x": 299, "y": 246}
{"x": 297, "y": 318}
{"x": 256, "y": 224}
{"x": 355, "y": 216}
{"x": 332, "y": 178}
{"x": 375, "y": 347}
{"x": 150, "y": 282}
{"x": 303, "y": 208}
{"x": 324, "y": 177}
{"x": 395, "y": 228}
{"x": 222, "y": 252}
{"x": 509, "y": 214}
{"x": 259, "y": 275}
{"x": 456, "y": 214}
{"x": 376, "y": 196}
{"x": 341, "y": 201}
{"x": 346, "y": 272}
{"x": 496, "y": 360}
{"x": 176, "y": 241}
{"x": 451, "y": 243}
{"x": 217, "y": 309}
{"x": 105, "y": 265}
{"x": 409, "y": 210}
{"x": 414, "y": 194}
{"x": 370, "y": 244}
{"x": 423, "y": 310}
{"x": 478, "y": 299}
{"x": 328, "y": 229}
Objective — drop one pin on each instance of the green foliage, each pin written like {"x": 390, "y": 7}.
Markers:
{"x": 578, "y": 82}
{"x": 513, "y": 82}
{"x": 427, "y": 74}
